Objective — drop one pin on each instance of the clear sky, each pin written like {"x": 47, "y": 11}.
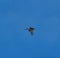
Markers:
{"x": 16, "y": 15}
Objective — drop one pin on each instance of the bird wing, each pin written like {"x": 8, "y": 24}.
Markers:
{"x": 31, "y": 32}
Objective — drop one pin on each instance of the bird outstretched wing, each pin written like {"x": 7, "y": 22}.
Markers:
{"x": 31, "y": 33}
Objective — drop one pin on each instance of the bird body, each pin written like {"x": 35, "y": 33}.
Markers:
{"x": 30, "y": 29}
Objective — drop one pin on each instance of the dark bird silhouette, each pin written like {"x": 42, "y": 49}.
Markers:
{"x": 30, "y": 29}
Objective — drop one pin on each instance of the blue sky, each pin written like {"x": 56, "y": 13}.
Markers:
{"x": 16, "y": 15}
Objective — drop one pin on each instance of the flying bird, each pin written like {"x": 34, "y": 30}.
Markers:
{"x": 30, "y": 29}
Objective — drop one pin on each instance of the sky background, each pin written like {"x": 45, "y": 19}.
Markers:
{"x": 16, "y": 15}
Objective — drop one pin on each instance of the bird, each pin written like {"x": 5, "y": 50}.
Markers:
{"x": 30, "y": 29}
